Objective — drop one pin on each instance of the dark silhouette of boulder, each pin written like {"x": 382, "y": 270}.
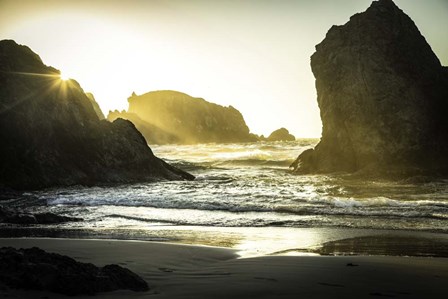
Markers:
{"x": 174, "y": 117}
{"x": 383, "y": 98}
{"x": 35, "y": 269}
{"x": 281, "y": 134}
{"x": 8, "y": 215}
{"x": 50, "y": 134}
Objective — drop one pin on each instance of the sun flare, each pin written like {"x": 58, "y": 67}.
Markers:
{"x": 63, "y": 77}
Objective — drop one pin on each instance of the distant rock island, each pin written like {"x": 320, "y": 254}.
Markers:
{"x": 51, "y": 134}
{"x": 383, "y": 98}
{"x": 173, "y": 117}
{"x": 281, "y": 134}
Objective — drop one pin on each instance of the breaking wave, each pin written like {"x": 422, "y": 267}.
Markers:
{"x": 250, "y": 185}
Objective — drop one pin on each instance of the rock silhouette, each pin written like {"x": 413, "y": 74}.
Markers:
{"x": 174, "y": 117}
{"x": 17, "y": 216}
{"x": 35, "y": 269}
{"x": 281, "y": 134}
{"x": 153, "y": 134}
{"x": 383, "y": 98}
{"x": 51, "y": 135}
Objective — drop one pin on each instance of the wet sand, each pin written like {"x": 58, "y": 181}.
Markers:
{"x": 184, "y": 271}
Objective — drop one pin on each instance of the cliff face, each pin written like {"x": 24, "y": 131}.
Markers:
{"x": 174, "y": 117}
{"x": 50, "y": 134}
{"x": 383, "y": 97}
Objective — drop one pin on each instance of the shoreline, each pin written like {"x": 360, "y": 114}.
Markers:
{"x": 262, "y": 241}
{"x": 187, "y": 271}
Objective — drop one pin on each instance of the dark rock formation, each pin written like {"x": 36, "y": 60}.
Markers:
{"x": 281, "y": 134}
{"x": 383, "y": 98}
{"x": 35, "y": 269}
{"x": 174, "y": 117}
{"x": 50, "y": 134}
{"x": 22, "y": 217}
{"x": 8, "y": 193}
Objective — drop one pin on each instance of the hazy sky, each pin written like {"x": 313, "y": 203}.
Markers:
{"x": 251, "y": 54}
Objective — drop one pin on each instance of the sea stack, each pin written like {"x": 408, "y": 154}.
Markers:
{"x": 281, "y": 134}
{"x": 51, "y": 135}
{"x": 167, "y": 116}
{"x": 383, "y": 98}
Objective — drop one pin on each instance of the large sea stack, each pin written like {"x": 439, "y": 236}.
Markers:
{"x": 383, "y": 98}
{"x": 50, "y": 134}
{"x": 173, "y": 117}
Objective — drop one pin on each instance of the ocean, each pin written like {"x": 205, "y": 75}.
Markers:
{"x": 244, "y": 196}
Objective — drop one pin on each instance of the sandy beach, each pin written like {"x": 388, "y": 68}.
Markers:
{"x": 185, "y": 271}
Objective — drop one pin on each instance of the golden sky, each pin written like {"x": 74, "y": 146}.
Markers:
{"x": 251, "y": 54}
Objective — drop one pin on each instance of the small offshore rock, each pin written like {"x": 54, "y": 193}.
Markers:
{"x": 281, "y": 134}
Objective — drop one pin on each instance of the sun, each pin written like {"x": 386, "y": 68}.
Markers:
{"x": 64, "y": 77}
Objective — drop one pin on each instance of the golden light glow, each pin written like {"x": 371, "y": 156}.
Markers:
{"x": 261, "y": 56}
{"x": 54, "y": 82}
{"x": 64, "y": 77}
{"x": 112, "y": 58}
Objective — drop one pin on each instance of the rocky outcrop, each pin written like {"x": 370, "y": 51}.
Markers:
{"x": 50, "y": 134}
{"x": 22, "y": 217}
{"x": 35, "y": 269}
{"x": 383, "y": 98}
{"x": 174, "y": 117}
{"x": 153, "y": 134}
{"x": 281, "y": 134}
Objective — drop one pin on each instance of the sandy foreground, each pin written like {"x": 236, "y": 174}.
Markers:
{"x": 183, "y": 271}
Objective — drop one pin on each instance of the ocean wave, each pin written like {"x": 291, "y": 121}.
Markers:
{"x": 215, "y": 178}
{"x": 225, "y": 163}
{"x": 370, "y": 202}
{"x": 260, "y": 220}
{"x": 252, "y": 154}
{"x": 190, "y": 166}
{"x": 253, "y": 162}
{"x": 143, "y": 219}
{"x": 349, "y": 208}
{"x": 210, "y": 221}
{"x": 249, "y": 185}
